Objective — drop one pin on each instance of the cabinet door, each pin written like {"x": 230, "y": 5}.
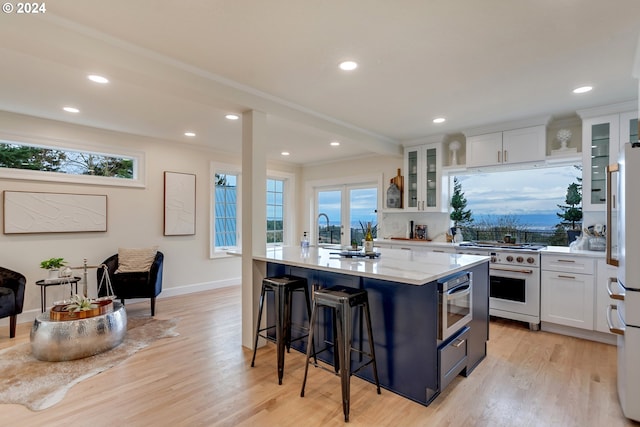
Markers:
{"x": 604, "y": 273}
{"x": 424, "y": 188}
{"x": 524, "y": 145}
{"x": 567, "y": 299}
{"x": 628, "y": 129}
{"x": 600, "y": 138}
{"x": 484, "y": 150}
{"x": 411, "y": 158}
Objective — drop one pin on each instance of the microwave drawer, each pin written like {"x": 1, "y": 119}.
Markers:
{"x": 452, "y": 357}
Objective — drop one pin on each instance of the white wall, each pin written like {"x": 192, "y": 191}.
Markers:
{"x": 134, "y": 215}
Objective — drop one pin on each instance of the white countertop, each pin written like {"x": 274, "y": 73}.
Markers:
{"x": 414, "y": 268}
{"x": 565, "y": 250}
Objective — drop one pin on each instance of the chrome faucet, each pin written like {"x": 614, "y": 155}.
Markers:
{"x": 327, "y": 218}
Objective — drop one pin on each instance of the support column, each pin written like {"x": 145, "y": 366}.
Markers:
{"x": 254, "y": 223}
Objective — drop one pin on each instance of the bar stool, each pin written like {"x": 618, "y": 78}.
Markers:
{"x": 282, "y": 288}
{"x": 341, "y": 300}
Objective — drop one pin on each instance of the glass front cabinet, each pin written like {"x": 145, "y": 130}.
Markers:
{"x": 424, "y": 187}
{"x": 603, "y": 138}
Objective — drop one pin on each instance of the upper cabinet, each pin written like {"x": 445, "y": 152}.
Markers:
{"x": 424, "y": 186}
{"x": 602, "y": 139}
{"x": 507, "y": 147}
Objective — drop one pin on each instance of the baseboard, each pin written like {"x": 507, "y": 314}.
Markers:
{"x": 30, "y": 315}
{"x": 579, "y": 333}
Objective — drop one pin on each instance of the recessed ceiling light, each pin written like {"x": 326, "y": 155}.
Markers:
{"x": 348, "y": 65}
{"x": 285, "y": 153}
{"x": 71, "y": 109}
{"x": 335, "y": 143}
{"x": 189, "y": 134}
{"x": 232, "y": 117}
{"x": 439, "y": 120}
{"x": 582, "y": 89}
{"x": 98, "y": 79}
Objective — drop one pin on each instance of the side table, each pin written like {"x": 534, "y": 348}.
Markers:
{"x": 55, "y": 282}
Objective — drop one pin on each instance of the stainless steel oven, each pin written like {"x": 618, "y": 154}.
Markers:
{"x": 455, "y": 308}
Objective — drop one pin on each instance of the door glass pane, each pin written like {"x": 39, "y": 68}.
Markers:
{"x": 363, "y": 203}
{"x": 633, "y": 130}
{"x": 330, "y": 212}
{"x": 412, "y": 179}
{"x": 430, "y": 185}
{"x": 599, "y": 161}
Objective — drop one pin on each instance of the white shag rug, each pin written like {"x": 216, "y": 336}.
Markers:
{"x": 38, "y": 385}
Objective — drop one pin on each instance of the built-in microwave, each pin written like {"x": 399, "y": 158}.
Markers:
{"x": 455, "y": 308}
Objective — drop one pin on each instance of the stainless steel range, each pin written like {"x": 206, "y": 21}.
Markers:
{"x": 514, "y": 279}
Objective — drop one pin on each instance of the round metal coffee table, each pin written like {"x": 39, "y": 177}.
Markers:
{"x": 56, "y": 341}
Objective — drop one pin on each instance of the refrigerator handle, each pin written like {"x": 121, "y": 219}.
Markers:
{"x": 611, "y": 207}
{"x": 613, "y": 329}
{"x": 612, "y": 294}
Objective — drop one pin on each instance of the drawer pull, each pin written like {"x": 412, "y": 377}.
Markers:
{"x": 613, "y": 329}
{"x": 612, "y": 294}
{"x": 457, "y": 343}
{"x": 564, "y": 276}
{"x": 566, "y": 260}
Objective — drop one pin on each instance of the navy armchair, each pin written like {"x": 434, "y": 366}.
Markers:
{"x": 12, "y": 286}
{"x": 145, "y": 284}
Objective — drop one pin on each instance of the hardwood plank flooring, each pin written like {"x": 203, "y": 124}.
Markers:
{"x": 203, "y": 378}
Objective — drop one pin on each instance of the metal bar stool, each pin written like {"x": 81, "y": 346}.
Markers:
{"x": 341, "y": 300}
{"x": 282, "y": 288}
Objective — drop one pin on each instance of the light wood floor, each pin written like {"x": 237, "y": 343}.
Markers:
{"x": 204, "y": 378}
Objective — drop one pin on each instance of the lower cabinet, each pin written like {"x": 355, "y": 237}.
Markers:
{"x": 567, "y": 299}
{"x": 605, "y": 272}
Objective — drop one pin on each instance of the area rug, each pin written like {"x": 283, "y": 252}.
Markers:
{"x": 38, "y": 385}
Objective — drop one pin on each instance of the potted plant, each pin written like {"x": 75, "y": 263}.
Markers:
{"x": 572, "y": 211}
{"x": 53, "y": 265}
{"x": 458, "y": 215}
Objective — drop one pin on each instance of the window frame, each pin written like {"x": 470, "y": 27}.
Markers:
{"x": 138, "y": 158}
{"x": 288, "y": 212}
{"x": 228, "y": 169}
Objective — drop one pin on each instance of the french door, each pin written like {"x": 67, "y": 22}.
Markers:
{"x": 343, "y": 213}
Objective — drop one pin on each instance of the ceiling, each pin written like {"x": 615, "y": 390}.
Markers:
{"x": 182, "y": 65}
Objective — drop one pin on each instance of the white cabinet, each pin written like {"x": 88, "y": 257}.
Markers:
{"x": 604, "y": 273}
{"x": 602, "y": 139}
{"x": 512, "y": 146}
{"x": 567, "y": 291}
{"x": 424, "y": 186}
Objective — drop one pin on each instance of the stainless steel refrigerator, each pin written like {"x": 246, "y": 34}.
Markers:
{"x": 623, "y": 250}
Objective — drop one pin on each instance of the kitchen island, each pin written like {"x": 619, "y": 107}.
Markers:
{"x": 403, "y": 299}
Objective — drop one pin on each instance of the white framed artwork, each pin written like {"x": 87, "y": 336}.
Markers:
{"x": 179, "y": 204}
{"x": 29, "y": 212}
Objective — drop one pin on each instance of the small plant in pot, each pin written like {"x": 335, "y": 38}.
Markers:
{"x": 53, "y": 265}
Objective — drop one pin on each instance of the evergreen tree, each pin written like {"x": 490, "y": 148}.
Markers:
{"x": 459, "y": 215}
{"x": 571, "y": 210}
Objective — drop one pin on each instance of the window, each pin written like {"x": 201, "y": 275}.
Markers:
{"x": 58, "y": 163}
{"x": 524, "y": 203}
{"x": 275, "y": 211}
{"x": 225, "y": 229}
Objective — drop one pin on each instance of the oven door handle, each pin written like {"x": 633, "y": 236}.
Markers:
{"x": 511, "y": 270}
{"x": 458, "y": 292}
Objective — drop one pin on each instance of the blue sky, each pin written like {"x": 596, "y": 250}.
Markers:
{"x": 518, "y": 192}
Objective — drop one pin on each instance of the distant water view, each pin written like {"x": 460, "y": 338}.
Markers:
{"x": 539, "y": 221}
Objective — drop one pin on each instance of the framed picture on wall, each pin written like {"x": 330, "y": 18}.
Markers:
{"x": 179, "y": 204}
{"x": 29, "y": 212}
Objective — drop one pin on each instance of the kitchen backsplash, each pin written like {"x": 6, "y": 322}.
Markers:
{"x": 397, "y": 224}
